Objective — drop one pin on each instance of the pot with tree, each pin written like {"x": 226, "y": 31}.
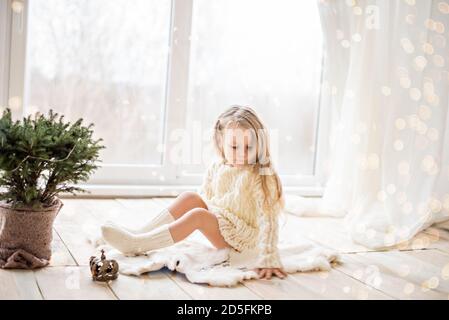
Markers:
{"x": 40, "y": 158}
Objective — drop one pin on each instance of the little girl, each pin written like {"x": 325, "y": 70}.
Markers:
{"x": 237, "y": 205}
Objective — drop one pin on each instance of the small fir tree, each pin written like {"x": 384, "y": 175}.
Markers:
{"x": 42, "y": 156}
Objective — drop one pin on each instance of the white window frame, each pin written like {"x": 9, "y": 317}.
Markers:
{"x": 114, "y": 179}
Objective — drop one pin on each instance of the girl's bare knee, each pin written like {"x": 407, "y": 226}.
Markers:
{"x": 194, "y": 198}
{"x": 200, "y": 217}
{"x": 188, "y": 195}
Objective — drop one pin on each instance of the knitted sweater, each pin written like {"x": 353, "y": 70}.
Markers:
{"x": 238, "y": 194}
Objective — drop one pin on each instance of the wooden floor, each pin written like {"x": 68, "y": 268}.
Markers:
{"x": 418, "y": 270}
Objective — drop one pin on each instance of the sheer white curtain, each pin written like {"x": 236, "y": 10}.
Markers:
{"x": 386, "y": 87}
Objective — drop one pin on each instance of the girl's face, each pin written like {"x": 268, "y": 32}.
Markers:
{"x": 239, "y": 146}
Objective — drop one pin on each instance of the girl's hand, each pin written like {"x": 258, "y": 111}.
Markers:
{"x": 266, "y": 273}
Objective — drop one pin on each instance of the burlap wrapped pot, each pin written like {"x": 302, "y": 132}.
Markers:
{"x": 26, "y": 236}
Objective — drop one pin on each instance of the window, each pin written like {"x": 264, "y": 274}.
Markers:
{"x": 106, "y": 61}
{"x": 266, "y": 54}
{"x": 153, "y": 76}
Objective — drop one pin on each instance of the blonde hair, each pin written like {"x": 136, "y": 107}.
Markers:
{"x": 245, "y": 117}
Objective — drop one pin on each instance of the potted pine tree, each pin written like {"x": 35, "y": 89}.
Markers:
{"x": 40, "y": 158}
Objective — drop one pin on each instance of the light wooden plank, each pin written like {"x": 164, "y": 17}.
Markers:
{"x": 281, "y": 289}
{"x": 154, "y": 285}
{"x": 434, "y": 257}
{"x": 325, "y": 285}
{"x": 60, "y": 254}
{"x": 331, "y": 233}
{"x": 77, "y": 243}
{"x": 420, "y": 241}
{"x": 106, "y": 209}
{"x": 18, "y": 285}
{"x": 337, "y": 285}
{"x": 164, "y": 201}
{"x": 142, "y": 211}
{"x": 206, "y": 292}
{"x": 71, "y": 283}
{"x": 74, "y": 211}
{"x": 328, "y": 232}
{"x": 401, "y": 274}
{"x": 74, "y": 228}
{"x": 79, "y": 219}
{"x": 146, "y": 206}
{"x": 441, "y": 238}
{"x": 80, "y": 215}
{"x": 115, "y": 211}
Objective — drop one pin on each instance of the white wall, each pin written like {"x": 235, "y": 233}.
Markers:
{"x": 5, "y": 23}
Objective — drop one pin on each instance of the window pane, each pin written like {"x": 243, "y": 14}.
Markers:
{"x": 105, "y": 61}
{"x": 263, "y": 53}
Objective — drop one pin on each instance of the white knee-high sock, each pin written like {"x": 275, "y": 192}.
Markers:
{"x": 160, "y": 219}
{"x": 129, "y": 243}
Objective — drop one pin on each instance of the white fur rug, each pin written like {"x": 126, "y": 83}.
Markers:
{"x": 202, "y": 263}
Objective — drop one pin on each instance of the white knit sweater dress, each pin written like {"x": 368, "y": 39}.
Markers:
{"x": 235, "y": 196}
